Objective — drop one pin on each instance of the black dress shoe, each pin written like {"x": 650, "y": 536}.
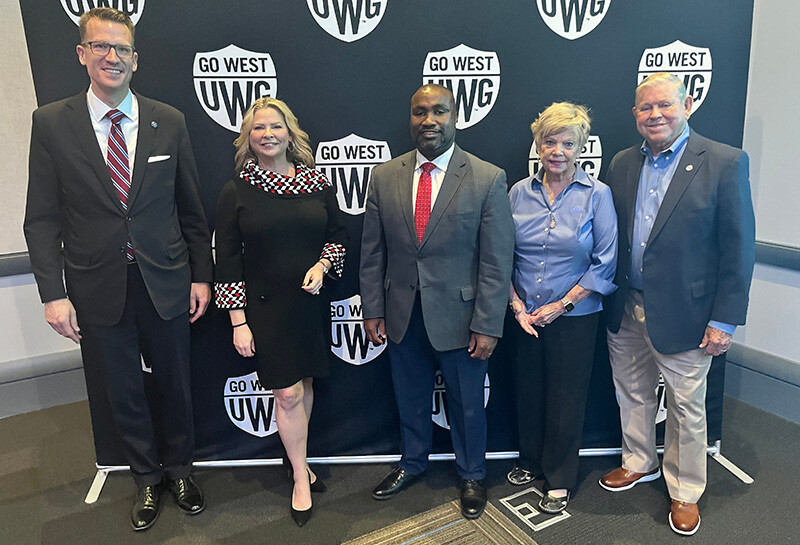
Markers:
{"x": 301, "y": 517}
{"x": 395, "y": 482}
{"x": 187, "y": 495}
{"x": 147, "y": 507}
{"x": 317, "y": 486}
{"x": 553, "y": 505}
{"x": 473, "y": 498}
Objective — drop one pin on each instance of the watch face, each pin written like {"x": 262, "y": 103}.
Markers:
{"x": 568, "y": 306}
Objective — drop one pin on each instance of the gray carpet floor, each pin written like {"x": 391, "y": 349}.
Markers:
{"x": 46, "y": 468}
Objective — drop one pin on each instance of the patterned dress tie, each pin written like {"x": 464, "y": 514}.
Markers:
{"x": 117, "y": 162}
{"x": 422, "y": 208}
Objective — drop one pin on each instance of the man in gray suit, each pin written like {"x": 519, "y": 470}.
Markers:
{"x": 436, "y": 257}
{"x": 114, "y": 208}
{"x": 686, "y": 256}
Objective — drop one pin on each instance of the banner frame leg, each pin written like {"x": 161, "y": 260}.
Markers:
{"x": 737, "y": 472}
{"x": 97, "y": 486}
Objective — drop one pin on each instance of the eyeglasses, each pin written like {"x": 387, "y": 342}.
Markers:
{"x": 124, "y": 52}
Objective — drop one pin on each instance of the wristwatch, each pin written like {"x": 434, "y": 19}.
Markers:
{"x": 568, "y": 306}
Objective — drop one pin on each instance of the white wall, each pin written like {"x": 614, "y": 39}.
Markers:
{"x": 771, "y": 139}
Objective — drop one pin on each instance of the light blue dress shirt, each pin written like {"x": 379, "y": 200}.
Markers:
{"x": 654, "y": 180}
{"x": 573, "y": 241}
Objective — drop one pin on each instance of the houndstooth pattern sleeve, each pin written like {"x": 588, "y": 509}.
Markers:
{"x": 230, "y": 295}
{"x": 335, "y": 254}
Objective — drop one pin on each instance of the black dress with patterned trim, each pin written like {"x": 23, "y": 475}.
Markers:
{"x": 270, "y": 229}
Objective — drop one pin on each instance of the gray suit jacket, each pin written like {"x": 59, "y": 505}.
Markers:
{"x": 462, "y": 266}
{"x": 698, "y": 262}
{"x": 75, "y": 223}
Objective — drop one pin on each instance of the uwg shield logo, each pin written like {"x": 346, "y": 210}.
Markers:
{"x": 473, "y": 76}
{"x": 350, "y": 342}
{"x": 572, "y": 19}
{"x": 690, "y": 63}
{"x": 439, "y": 414}
{"x": 590, "y": 160}
{"x": 76, "y": 8}
{"x": 250, "y": 406}
{"x": 348, "y": 163}
{"x": 347, "y": 20}
{"x": 227, "y": 81}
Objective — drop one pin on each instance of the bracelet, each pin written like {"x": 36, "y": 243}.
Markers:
{"x": 240, "y": 325}
{"x": 324, "y": 268}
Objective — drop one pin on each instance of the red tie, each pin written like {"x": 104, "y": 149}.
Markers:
{"x": 117, "y": 162}
{"x": 422, "y": 208}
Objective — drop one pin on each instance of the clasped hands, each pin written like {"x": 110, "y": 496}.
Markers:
{"x": 540, "y": 317}
{"x": 480, "y": 346}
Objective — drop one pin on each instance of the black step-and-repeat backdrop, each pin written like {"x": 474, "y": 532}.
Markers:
{"x": 348, "y": 69}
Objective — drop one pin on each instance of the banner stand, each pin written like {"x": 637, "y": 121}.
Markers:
{"x": 102, "y": 471}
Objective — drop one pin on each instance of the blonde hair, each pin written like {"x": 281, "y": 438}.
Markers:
{"x": 299, "y": 149}
{"x": 662, "y": 78}
{"x": 105, "y": 14}
{"x": 562, "y": 116}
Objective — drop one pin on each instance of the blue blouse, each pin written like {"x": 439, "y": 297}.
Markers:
{"x": 573, "y": 241}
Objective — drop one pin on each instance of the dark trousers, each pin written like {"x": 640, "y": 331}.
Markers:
{"x": 414, "y": 362}
{"x": 552, "y": 378}
{"x": 152, "y": 411}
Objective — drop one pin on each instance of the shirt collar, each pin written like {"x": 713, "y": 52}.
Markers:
{"x": 98, "y": 109}
{"x": 580, "y": 177}
{"x": 440, "y": 162}
{"x": 676, "y": 145}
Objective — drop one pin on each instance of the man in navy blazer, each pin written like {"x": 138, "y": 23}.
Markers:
{"x": 686, "y": 257}
{"x": 134, "y": 248}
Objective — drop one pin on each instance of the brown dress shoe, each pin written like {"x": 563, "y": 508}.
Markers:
{"x": 621, "y": 479}
{"x": 684, "y": 518}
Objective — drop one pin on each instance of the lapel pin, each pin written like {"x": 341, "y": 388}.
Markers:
{"x": 688, "y": 167}
{"x": 154, "y": 124}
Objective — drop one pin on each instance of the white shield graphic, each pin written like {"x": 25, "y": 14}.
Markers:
{"x": 572, "y": 19}
{"x": 250, "y": 406}
{"x": 691, "y": 64}
{"x": 350, "y": 342}
{"x": 347, "y": 20}
{"x": 348, "y": 163}
{"x": 472, "y": 75}
{"x": 228, "y": 80}
{"x": 591, "y": 158}
{"x": 76, "y": 8}
{"x": 439, "y": 414}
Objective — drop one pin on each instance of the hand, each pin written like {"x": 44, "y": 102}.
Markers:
{"x": 243, "y": 341}
{"x": 481, "y": 346}
{"x": 313, "y": 280}
{"x": 61, "y": 316}
{"x": 376, "y": 329}
{"x": 715, "y": 341}
{"x": 199, "y": 298}
{"x": 547, "y": 314}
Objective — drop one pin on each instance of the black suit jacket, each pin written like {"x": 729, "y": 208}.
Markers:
{"x": 75, "y": 223}
{"x": 698, "y": 262}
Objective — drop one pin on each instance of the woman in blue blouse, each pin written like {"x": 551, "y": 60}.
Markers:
{"x": 564, "y": 263}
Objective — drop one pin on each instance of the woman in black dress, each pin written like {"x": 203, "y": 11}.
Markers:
{"x": 278, "y": 234}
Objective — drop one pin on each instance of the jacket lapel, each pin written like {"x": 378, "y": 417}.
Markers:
{"x": 404, "y": 184}
{"x": 452, "y": 180}
{"x": 689, "y": 165}
{"x": 77, "y": 112}
{"x": 144, "y": 144}
{"x": 631, "y": 189}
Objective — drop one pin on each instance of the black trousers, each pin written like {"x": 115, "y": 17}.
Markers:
{"x": 152, "y": 411}
{"x": 552, "y": 380}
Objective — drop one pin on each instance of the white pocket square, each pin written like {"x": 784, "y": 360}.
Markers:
{"x": 157, "y": 158}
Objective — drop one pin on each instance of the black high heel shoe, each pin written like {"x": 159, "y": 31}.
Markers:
{"x": 301, "y": 517}
{"x": 317, "y": 486}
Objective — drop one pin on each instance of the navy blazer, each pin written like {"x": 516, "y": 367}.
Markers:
{"x": 698, "y": 262}
{"x": 75, "y": 223}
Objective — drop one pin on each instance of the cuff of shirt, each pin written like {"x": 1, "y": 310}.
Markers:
{"x": 726, "y": 328}
{"x": 592, "y": 282}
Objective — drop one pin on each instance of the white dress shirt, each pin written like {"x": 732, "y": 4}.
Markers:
{"x": 102, "y": 125}
{"x": 437, "y": 174}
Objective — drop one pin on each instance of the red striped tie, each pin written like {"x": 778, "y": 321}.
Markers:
{"x": 117, "y": 161}
{"x": 422, "y": 208}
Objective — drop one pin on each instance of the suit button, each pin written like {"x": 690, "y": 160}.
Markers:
{"x": 262, "y": 297}
{"x": 128, "y": 218}
{"x": 122, "y": 250}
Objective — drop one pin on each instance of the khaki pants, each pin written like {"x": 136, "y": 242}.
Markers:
{"x": 636, "y": 365}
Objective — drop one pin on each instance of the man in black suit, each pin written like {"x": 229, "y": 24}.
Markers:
{"x": 113, "y": 204}
{"x": 686, "y": 257}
